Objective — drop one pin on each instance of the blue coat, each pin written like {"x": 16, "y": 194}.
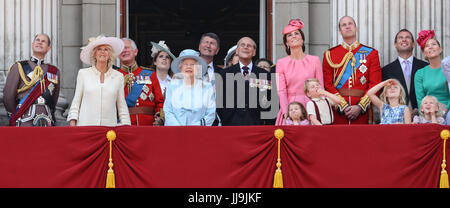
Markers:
{"x": 189, "y": 106}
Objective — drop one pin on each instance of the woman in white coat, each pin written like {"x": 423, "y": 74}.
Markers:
{"x": 99, "y": 95}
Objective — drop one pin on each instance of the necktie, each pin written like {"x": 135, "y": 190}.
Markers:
{"x": 245, "y": 68}
{"x": 211, "y": 75}
{"x": 407, "y": 71}
{"x": 208, "y": 72}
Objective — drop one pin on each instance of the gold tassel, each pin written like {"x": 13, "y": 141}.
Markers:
{"x": 110, "y": 178}
{"x": 278, "y": 177}
{"x": 444, "y": 176}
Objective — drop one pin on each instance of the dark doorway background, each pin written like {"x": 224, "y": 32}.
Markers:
{"x": 180, "y": 23}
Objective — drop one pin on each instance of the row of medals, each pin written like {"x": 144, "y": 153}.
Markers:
{"x": 363, "y": 67}
{"x": 53, "y": 78}
{"x": 145, "y": 80}
{"x": 263, "y": 84}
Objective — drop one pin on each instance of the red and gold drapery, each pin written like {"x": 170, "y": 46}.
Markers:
{"x": 223, "y": 157}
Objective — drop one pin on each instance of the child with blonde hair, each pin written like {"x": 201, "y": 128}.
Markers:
{"x": 296, "y": 114}
{"x": 391, "y": 102}
{"x": 319, "y": 108}
{"x": 430, "y": 111}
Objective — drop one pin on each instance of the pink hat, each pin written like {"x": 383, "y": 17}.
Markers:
{"x": 294, "y": 24}
{"x": 424, "y": 35}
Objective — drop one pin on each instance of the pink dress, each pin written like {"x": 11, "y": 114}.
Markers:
{"x": 289, "y": 122}
{"x": 291, "y": 77}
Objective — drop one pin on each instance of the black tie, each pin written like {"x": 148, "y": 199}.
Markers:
{"x": 207, "y": 71}
{"x": 245, "y": 68}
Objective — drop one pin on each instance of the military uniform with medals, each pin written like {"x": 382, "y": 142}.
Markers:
{"x": 143, "y": 83}
{"x": 349, "y": 71}
{"x": 31, "y": 92}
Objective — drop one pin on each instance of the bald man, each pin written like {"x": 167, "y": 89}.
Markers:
{"x": 246, "y": 86}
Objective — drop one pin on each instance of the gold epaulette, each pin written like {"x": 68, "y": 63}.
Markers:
{"x": 38, "y": 72}
{"x": 348, "y": 56}
{"x": 367, "y": 46}
{"x": 147, "y": 68}
{"x": 364, "y": 103}
{"x": 335, "y": 47}
{"x": 351, "y": 47}
{"x": 10, "y": 68}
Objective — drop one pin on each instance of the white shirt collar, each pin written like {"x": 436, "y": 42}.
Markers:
{"x": 210, "y": 68}
{"x": 168, "y": 79}
{"x": 250, "y": 66}
{"x": 410, "y": 59}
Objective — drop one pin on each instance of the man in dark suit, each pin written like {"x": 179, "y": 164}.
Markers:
{"x": 405, "y": 66}
{"x": 208, "y": 47}
{"x": 246, "y": 88}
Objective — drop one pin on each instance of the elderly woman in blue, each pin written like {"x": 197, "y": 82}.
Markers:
{"x": 190, "y": 101}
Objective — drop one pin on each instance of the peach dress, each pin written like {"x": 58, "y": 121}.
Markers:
{"x": 291, "y": 77}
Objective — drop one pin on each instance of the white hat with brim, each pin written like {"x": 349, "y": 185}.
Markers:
{"x": 189, "y": 54}
{"x": 230, "y": 53}
{"x": 116, "y": 44}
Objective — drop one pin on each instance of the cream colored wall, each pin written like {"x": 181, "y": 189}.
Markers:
{"x": 315, "y": 14}
{"x": 378, "y": 22}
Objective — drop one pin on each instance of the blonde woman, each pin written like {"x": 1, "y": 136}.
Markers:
{"x": 99, "y": 95}
{"x": 431, "y": 80}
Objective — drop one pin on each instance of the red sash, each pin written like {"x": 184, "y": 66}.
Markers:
{"x": 32, "y": 96}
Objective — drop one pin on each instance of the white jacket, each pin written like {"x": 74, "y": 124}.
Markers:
{"x": 99, "y": 104}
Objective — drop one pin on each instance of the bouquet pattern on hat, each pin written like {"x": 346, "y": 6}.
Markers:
{"x": 115, "y": 43}
{"x": 424, "y": 35}
{"x": 156, "y": 50}
{"x": 294, "y": 24}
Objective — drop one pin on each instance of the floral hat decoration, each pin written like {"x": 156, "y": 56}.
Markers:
{"x": 116, "y": 44}
{"x": 161, "y": 46}
{"x": 424, "y": 35}
{"x": 294, "y": 24}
